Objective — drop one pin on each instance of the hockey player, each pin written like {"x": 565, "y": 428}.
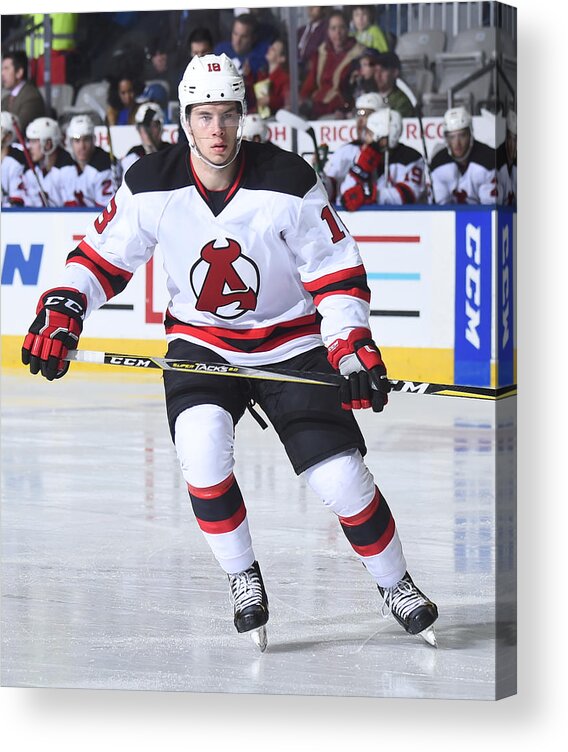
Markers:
{"x": 93, "y": 181}
{"x": 255, "y": 129}
{"x": 51, "y": 181}
{"x": 13, "y": 164}
{"x": 150, "y": 126}
{"x": 386, "y": 172}
{"x": 507, "y": 162}
{"x": 255, "y": 256}
{"x": 465, "y": 172}
{"x": 338, "y": 166}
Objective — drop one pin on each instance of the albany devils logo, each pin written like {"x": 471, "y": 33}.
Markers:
{"x": 224, "y": 281}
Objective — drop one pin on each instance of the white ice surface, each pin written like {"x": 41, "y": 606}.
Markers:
{"x": 108, "y": 583}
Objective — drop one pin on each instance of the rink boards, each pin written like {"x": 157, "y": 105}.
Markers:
{"x": 441, "y": 279}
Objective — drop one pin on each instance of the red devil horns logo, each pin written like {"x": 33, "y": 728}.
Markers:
{"x": 224, "y": 281}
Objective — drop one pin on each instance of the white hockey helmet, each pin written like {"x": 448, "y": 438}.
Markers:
{"x": 211, "y": 78}
{"x": 511, "y": 122}
{"x": 80, "y": 126}
{"x": 386, "y": 123}
{"x": 369, "y": 101}
{"x": 45, "y": 129}
{"x": 253, "y": 126}
{"x": 149, "y": 112}
{"x": 9, "y": 124}
{"x": 456, "y": 119}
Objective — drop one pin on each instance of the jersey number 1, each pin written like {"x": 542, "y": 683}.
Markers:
{"x": 337, "y": 233}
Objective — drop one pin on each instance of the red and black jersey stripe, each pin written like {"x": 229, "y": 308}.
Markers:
{"x": 258, "y": 339}
{"x": 219, "y": 508}
{"x": 112, "y": 279}
{"x": 345, "y": 282}
{"x": 370, "y": 531}
{"x": 406, "y": 193}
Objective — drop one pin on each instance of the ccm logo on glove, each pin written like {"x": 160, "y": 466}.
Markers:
{"x": 54, "y": 331}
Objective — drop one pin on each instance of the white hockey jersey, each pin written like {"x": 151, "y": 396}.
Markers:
{"x": 337, "y": 169}
{"x": 507, "y": 177}
{"x": 94, "y": 183}
{"x": 134, "y": 154}
{"x": 405, "y": 183}
{"x": 258, "y": 273}
{"x": 57, "y": 184}
{"x": 474, "y": 183}
{"x": 13, "y": 168}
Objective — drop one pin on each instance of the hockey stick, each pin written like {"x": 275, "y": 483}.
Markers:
{"x": 114, "y": 166}
{"x": 405, "y": 88}
{"x": 298, "y": 377}
{"x": 295, "y": 121}
{"x": 31, "y": 166}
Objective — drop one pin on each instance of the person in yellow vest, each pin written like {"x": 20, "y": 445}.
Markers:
{"x": 63, "y": 29}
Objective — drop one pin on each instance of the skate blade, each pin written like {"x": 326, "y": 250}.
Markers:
{"x": 429, "y": 635}
{"x": 259, "y": 638}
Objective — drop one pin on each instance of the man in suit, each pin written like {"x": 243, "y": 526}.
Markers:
{"x": 24, "y": 99}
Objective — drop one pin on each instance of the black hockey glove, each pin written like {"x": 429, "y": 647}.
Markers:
{"x": 359, "y": 360}
{"x": 55, "y": 330}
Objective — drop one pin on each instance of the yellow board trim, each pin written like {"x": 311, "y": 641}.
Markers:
{"x": 406, "y": 363}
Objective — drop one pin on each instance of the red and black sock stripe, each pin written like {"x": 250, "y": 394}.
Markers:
{"x": 219, "y": 508}
{"x": 370, "y": 531}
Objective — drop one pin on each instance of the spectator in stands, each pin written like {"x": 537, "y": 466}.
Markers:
{"x": 159, "y": 69}
{"x": 51, "y": 181}
{"x": 273, "y": 93}
{"x": 121, "y": 100}
{"x": 325, "y": 91}
{"x": 465, "y": 172}
{"x": 362, "y": 79}
{"x": 255, "y": 129}
{"x": 365, "y": 31}
{"x": 386, "y": 172}
{"x": 338, "y": 166}
{"x": 200, "y": 42}
{"x": 13, "y": 164}
{"x": 183, "y": 24}
{"x": 94, "y": 180}
{"x": 386, "y": 71}
{"x": 24, "y": 100}
{"x": 507, "y": 162}
{"x": 247, "y": 52}
{"x": 311, "y": 36}
{"x": 150, "y": 127}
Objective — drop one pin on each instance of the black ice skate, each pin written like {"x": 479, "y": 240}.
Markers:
{"x": 250, "y": 603}
{"x": 411, "y": 608}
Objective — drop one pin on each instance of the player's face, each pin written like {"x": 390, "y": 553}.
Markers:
{"x": 34, "y": 148}
{"x": 83, "y": 148}
{"x": 214, "y": 128}
{"x": 458, "y": 142}
{"x": 155, "y": 135}
{"x": 382, "y": 143}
